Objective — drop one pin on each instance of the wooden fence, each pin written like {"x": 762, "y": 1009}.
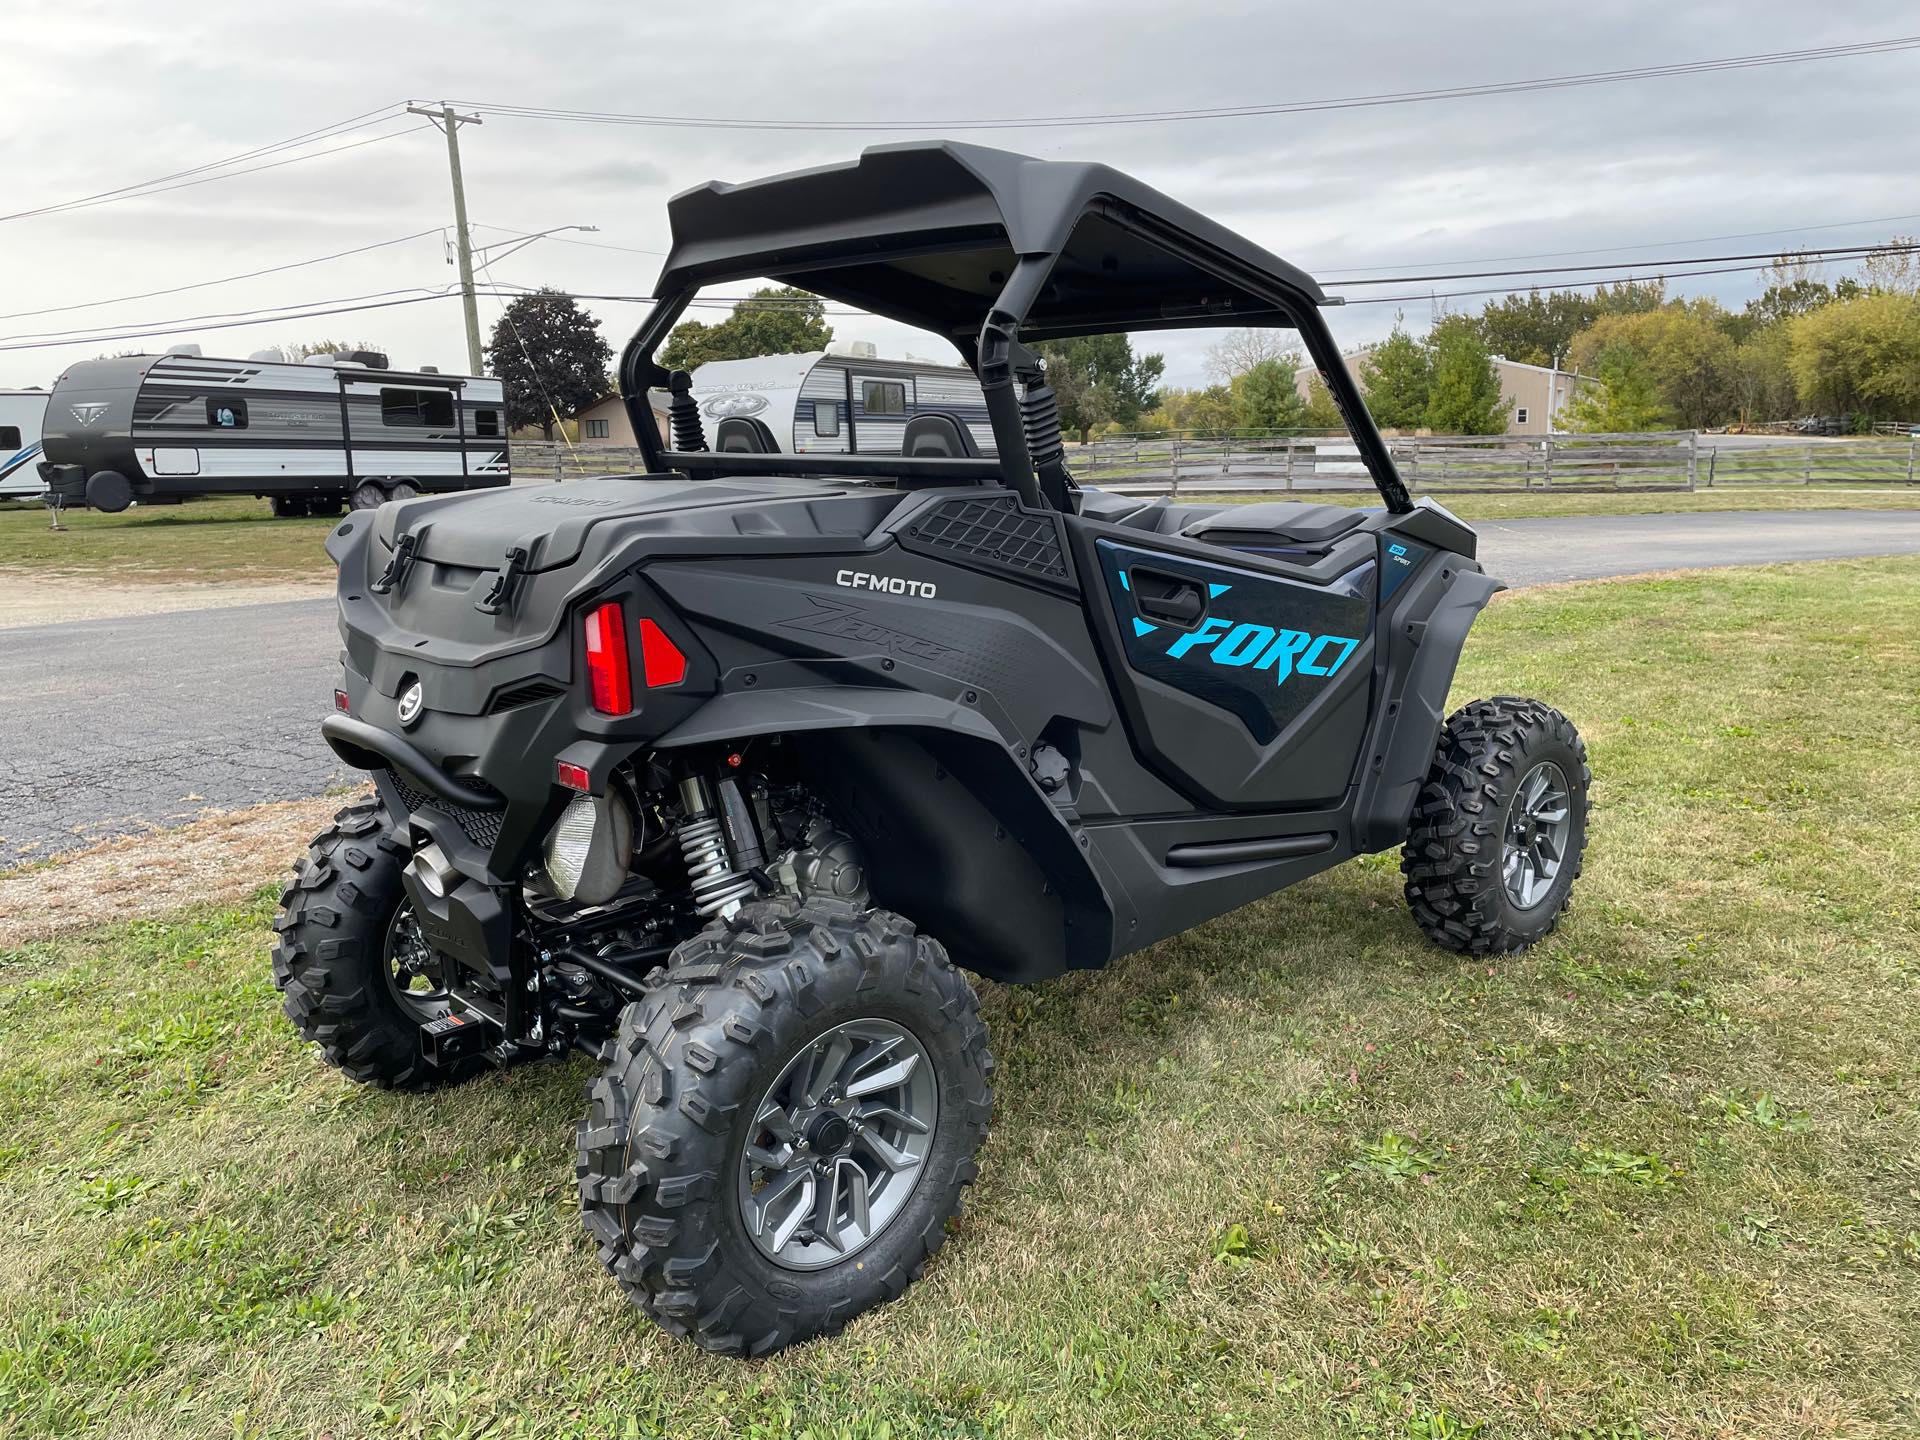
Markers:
{"x": 1268, "y": 464}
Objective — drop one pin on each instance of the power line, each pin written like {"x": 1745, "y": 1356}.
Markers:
{"x": 324, "y": 132}
{"x": 224, "y": 280}
{"x": 1648, "y": 278}
{"x": 267, "y": 313}
{"x": 1638, "y": 245}
{"x": 6, "y": 344}
{"x": 1835, "y": 252}
{"x": 565, "y": 240}
{"x": 133, "y": 194}
{"x": 1221, "y": 112}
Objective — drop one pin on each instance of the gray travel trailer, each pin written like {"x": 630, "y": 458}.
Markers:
{"x": 20, "y": 417}
{"x": 313, "y": 437}
{"x": 843, "y": 401}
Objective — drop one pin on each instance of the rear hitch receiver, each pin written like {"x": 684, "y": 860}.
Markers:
{"x": 457, "y": 1036}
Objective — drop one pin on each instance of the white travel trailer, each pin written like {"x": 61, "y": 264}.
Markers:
{"x": 313, "y": 436}
{"x": 21, "y": 414}
{"x": 842, "y": 401}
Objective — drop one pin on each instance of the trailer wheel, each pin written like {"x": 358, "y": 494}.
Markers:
{"x": 109, "y": 492}
{"x": 367, "y": 496}
{"x": 405, "y": 490}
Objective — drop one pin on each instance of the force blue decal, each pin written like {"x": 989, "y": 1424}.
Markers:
{"x": 1259, "y": 646}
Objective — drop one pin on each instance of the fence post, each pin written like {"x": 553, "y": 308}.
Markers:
{"x": 1173, "y": 490}
{"x": 1713, "y": 458}
{"x": 1806, "y": 474}
{"x": 1290, "y": 464}
{"x": 1912, "y": 440}
{"x": 1693, "y": 459}
{"x": 1547, "y": 464}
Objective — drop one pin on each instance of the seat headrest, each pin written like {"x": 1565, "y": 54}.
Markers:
{"x": 938, "y": 435}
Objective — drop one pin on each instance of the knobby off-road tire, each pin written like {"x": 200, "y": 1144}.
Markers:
{"x": 687, "y": 1081}
{"x": 1471, "y": 823}
{"x": 342, "y": 922}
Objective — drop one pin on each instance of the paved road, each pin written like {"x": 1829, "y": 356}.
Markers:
{"x": 113, "y": 726}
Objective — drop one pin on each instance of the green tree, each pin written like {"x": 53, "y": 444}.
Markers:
{"x": 1762, "y": 380}
{"x": 1465, "y": 396}
{"x": 1265, "y": 397}
{"x": 1625, "y": 400}
{"x": 1099, "y": 381}
{"x": 1860, "y": 355}
{"x": 1535, "y": 328}
{"x": 1321, "y": 413}
{"x": 300, "y": 350}
{"x": 774, "y": 320}
{"x": 549, "y": 355}
{"x": 1397, "y": 376}
{"x": 1689, "y": 353}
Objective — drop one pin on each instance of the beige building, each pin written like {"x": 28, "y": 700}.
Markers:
{"x": 605, "y": 422}
{"x": 1537, "y": 394}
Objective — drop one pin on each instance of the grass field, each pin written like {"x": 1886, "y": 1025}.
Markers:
{"x": 1294, "y": 1174}
{"x": 240, "y": 540}
{"x": 201, "y": 540}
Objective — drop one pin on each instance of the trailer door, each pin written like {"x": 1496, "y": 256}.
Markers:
{"x": 404, "y": 428}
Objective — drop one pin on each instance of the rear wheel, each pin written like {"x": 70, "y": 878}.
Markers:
{"x": 405, "y": 490}
{"x": 356, "y": 975}
{"x": 1500, "y": 827}
{"x": 785, "y": 1125}
{"x": 367, "y": 496}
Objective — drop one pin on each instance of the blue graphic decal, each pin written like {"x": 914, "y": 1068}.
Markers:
{"x": 1260, "y": 646}
{"x": 1399, "y": 562}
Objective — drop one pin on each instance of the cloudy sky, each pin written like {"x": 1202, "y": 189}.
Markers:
{"x": 98, "y": 96}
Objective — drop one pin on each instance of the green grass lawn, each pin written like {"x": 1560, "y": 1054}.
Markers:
{"x": 1294, "y": 1174}
{"x": 225, "y": 539}
{"x": 239, "y": 539}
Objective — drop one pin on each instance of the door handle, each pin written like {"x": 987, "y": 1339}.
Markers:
{"x": 1178, "y": 602}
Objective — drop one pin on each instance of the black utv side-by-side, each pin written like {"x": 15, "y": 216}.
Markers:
{"x": 727, "y": 774}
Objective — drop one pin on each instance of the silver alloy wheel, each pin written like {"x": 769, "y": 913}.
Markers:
{"x": 415, "y": 974}
{"x": 839, "y": 1141}
{"x": 1539, "y": 824}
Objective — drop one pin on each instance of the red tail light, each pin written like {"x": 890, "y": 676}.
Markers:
{"x": 660, "y": 659}
{"x": 609, "y": 672}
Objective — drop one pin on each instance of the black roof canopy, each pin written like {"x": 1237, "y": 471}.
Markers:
{"x": 927, "y": 233}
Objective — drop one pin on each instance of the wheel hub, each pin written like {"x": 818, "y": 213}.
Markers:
{"x": 1539, "y": 826}
{"x": 839, "y": 1141}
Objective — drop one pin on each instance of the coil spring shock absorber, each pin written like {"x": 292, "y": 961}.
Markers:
{"x": 718, "y": 888}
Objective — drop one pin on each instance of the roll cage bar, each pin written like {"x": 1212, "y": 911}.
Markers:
{"x": 978, "y": 230}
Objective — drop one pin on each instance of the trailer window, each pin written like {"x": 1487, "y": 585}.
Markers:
{"x": 226, "y": 413}
{"x": 883, "y": 397}
{"x": 826, "y": 418}
{"x": 486, "y": 422}
{"x": 9, "y": 437}
{"x": 417, "y": 407}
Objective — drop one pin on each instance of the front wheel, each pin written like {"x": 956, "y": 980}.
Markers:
{"x": 1500, "y": 827}
{"x": 356, "y": 975}
{"x": 366, "y": 496}
{"x": 785, "y": 1124}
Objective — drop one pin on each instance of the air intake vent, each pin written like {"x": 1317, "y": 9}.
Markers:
{"x": 480, "y": 826}
{"x": 994, "y": 532}
{"x": 530, "y": 693}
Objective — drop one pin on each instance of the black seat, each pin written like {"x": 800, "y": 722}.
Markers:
{"x": 1287, "y": 522}
{"x": 744, "y": 435}
{"x": 938, "y": 435}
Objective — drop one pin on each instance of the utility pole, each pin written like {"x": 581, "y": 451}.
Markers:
{"x": 444, "y": 119}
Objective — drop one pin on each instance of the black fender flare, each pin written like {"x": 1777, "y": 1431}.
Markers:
{"x": 1408, "y": 723}
{"x": 958, "y": 835}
